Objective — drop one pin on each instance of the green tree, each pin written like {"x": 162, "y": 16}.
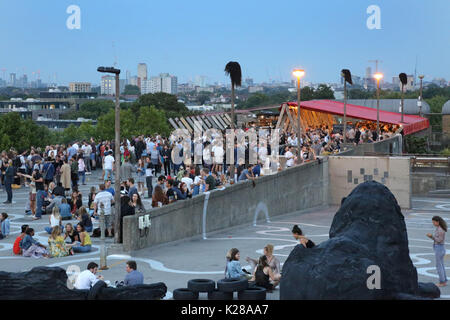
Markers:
{"x": 91, "y": 110}
{"x": 323, "y": 92}
{"x": 161, "y": 101}
{"x": 151, "y": 121}
{"x": 106, "y": 125}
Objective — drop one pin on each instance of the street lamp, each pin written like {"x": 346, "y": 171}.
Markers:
{"x": 117, "y": 220}
{"x": 298, "y": 73}
{"x": 404, "y": 80}
{"x": 347, "y": 78}
{"x": 378, "y": 76}
{"x": 419, "y": 102}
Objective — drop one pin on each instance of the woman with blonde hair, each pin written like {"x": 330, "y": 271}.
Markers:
{"x": 272, "y": 261}
{"x": 55, "y": 220}
{"x": 56, "y": 245}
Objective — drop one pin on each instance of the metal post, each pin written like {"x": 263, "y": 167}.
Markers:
{"x": 232, "y": 129}
{"x": 299, "y": 129}
{"x": 403, "y": 100}
{"x": 420, "y": 97}
{"x": 117, "y": 165}
{"x": 345, "y": 111}
{"x": 378, "y": 109}
{"x": 103, "y": 249}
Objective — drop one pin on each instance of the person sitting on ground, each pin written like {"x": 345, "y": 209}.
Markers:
{"x": 75, "y": 203}
{"x": 233, "y": 268}
{"x": 263, "y": 275}
{"x": 85, "y": 244}
{"x": 159, "y": 198}
{"x": 64, "y": 210}
{"x": 273, "y": 262}
{"x": 85, "y": 219}
{"x": 87, "y": 278}
{"x": 55, "y": 219}
{"x": 133, "y": 276}
{"x": 71, "y": 235}
{"x": 298, "y": 235}
{"x": 91, "y": 198}
{"x": 32, "y": 248}
{"x": 5, "y": 225}
{"x": 59, "y": 190}
{"x": 56, "y": 245}
{"x": 16, "y": 246}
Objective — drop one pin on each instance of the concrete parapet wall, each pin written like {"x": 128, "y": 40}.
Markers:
{"x": 293, "y": 189}
{"x": 345, "y": 173}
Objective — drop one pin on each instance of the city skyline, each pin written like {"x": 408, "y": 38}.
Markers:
{"x": 265, "y": 39}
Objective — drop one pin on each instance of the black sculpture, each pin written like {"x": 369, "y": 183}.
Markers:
{"x": 48, "y": 283}
{"x": 368, "y": 230}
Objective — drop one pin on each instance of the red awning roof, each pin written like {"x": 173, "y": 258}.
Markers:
{"x": 410, "y": 123}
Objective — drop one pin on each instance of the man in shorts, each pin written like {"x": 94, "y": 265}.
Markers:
{"x": 104, "y": 198}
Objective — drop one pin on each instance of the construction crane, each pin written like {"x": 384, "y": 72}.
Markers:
{"x": 115, "y": 55}
{"x": 376, "y": 64}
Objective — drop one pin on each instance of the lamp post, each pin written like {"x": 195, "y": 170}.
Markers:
{"x": 378, "y": 76}
{"x": 419, "y": 103}
{"x": 347, "y": 78}
{"x": 404, "y": 80}
{"x": 298, "y": 73}
{"x": 117, "y": 152}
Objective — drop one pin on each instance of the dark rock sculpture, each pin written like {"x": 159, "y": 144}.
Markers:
{"x": 368, "y": 230}
{"x": 50, "y": 283}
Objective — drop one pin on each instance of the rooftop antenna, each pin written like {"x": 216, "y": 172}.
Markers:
{"x": 115, "y": 55}
{"x": 376, "y": 64}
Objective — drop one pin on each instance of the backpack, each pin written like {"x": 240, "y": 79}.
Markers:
{"x": 17, "y": 163}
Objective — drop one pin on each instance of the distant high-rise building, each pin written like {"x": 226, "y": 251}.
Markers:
{"x": 200, "y": 81}
{"x": 128, "y": 77}
{"x": 12, "y": 79}
{"x": 108, "y": 85}
{"x": 80, "y": 87}
{"x": 163, "y": 83}
{"x": 142, "y": 73}
{"x": 133, "y": 81}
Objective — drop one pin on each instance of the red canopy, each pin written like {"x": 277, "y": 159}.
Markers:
{"x": 410, "y": 123}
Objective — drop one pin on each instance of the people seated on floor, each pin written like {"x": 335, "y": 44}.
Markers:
{"x": 55, "y": 219}
{"x": 264, "y": 276}
{"x": 32, "y": 248}
{"x": 159, "y": 198}
{"x": 56, "y": 245}
{"x": 233, "y": 268}
{"x": 85, "y": 244}
{"x": 5, "y": 225}
{"x": 272, "y": 261}
{"x": 16, "y": 247}
{"x": 64, "y": 210}
{"x": 133, "y": 276}
{"x": 88, "y": 278}
{"x": 71, "y": 235}
{"x": 85, "y": 219}
{"x": 297, "y": 233}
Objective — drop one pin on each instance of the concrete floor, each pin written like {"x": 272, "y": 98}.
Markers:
{"x": 176, "y": 263}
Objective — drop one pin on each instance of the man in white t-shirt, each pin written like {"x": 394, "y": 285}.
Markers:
{"x": 104, "y": 198}
{"x": 87, "y": 279}
{"x": 109, "y": 165}
{"x": 187, "y": 180}
{"x": 289, "y": 157}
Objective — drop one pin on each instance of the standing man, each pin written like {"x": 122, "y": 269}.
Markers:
{"x": 106, "y": 198}
{"x": 8, "y": 180}
{"x": 109, "y": 165}
{"x": 38, "y": 180}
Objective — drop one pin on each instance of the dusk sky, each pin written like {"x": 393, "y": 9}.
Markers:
{"x": 190, "y": 38}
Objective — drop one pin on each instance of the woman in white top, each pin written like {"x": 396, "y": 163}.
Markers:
{"x": 55, "y": 219}
{"x": 81, "y": 169}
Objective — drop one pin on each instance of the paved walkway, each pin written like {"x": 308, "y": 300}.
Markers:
{"x": 176, "y": 263}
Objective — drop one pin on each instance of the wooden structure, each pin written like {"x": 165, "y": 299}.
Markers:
{"x": 287, "y": 119}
